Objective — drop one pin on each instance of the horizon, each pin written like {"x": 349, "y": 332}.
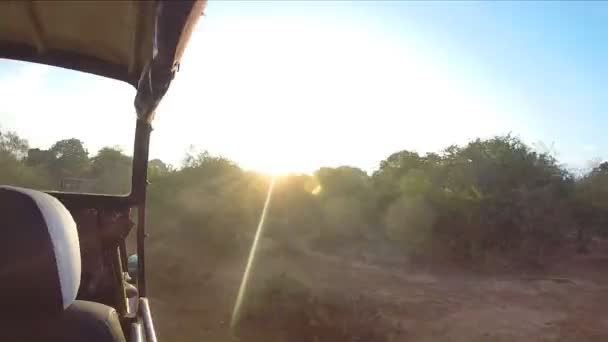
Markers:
{"x": 197, "y": 152}
{"x": 294, "y": 86}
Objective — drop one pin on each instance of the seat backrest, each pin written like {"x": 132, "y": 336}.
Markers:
{"x": 39, "y": 254}
{"x": 40, "y": 274}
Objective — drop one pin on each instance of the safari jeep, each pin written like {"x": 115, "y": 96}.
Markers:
{"x": 63, "y": 257}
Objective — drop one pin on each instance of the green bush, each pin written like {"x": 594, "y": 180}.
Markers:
{"x": 489, "y": 196}
{"x": 410, "y": 221}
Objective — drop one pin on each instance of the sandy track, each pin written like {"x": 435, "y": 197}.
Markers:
{"x": 414, "y": 305}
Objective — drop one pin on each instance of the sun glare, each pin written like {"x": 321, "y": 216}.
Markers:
{"x": 275, "y": 167}
{"x": 323, "y": 96}
{"x": 278, "y": 153}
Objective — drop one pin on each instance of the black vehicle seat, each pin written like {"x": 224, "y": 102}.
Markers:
{"x": 40, "y": 274}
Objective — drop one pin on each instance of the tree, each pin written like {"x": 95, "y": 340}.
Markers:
{"x": 591, "y": 204}
{"x": 38, "y": 157}
{"x": 347, "y": 202}
{"x": 111, "y": 171}
{"x": 70, "y": 158}
{"x": 294, "y": 208}
{"x": 13, "y": 151}
{"x": 494, "y": 195}
{"x": 405, "y": 173}
{"x": 157, "y": 168}
{"x": 12, "y": 145}
{"x": 410, "y": 221}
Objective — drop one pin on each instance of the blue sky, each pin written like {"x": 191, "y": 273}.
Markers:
{"x": 290, "y": 86}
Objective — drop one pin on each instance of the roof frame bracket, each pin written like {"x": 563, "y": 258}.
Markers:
{"x": 36, "y": 27}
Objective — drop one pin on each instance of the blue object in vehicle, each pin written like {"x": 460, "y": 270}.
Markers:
{"x": 132, "y": 264}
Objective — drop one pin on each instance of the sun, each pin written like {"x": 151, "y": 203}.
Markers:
{"x": 274, "y": 164}
{"x": 278, "y": 154}
{"x": 278, "y": 168}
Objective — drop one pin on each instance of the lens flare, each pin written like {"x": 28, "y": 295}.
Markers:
{"x": 254, "y": 246}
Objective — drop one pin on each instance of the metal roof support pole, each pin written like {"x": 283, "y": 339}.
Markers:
{"x": 138, "y": 195}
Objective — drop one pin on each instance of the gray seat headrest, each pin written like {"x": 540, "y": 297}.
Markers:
{"x": 39, "y": 254}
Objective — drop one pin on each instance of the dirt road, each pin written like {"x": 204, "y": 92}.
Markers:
{"x": 303, "y": 296}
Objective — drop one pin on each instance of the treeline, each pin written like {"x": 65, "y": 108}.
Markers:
{"x": 66, "y": 166}
{"x": 490, "y": 197}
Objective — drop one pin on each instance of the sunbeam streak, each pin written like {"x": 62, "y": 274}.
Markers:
{"x": 254, "y": 246}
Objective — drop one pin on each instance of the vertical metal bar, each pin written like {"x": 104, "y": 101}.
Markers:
{"x": 139, "y": 178}
{"x": 146, "y": 316}
{"x": 138, "y": 195}
{"x": 136, "y": 334}
{"x": 141, "y": 261}
{"x": 122, "y": 245}
{"x": 121, "y": 297}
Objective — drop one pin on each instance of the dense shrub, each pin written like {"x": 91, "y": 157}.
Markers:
{"x": 494, "y": 196}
